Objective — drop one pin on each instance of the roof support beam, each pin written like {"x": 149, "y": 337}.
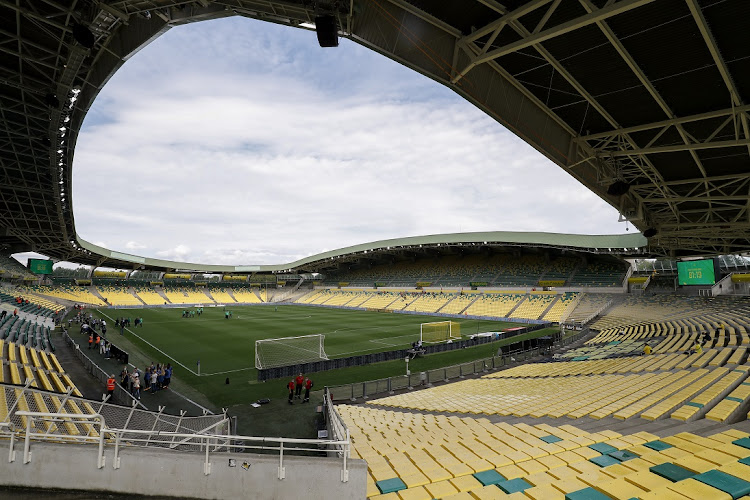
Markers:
{"x": 561, "y": 29}
{"x": 678, "y": 147}
{"x": 667, "y": 123}
{"x": 498, "y": 24}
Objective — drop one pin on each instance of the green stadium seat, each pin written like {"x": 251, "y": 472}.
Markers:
{"x": 604, "y": 461}
{"x": 602, "y": 448}
{"x": 514, "y": 485}
{"x": 550, "y": 439}
{"x": 489, "y": 477}
{"x": 727, "y": 483}
{"x": 744, "y": 442}
{"x": 390, "y": 485}
{"x": 587, "y": 494}
{"x": 672, "y": 472}
{"x": 623, "y": 455}
{"x": 657, "y": 445}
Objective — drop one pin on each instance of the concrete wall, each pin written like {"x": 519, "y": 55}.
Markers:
{"x": 180, "y": 474}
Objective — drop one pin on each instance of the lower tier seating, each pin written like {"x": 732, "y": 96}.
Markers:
{"x": 429, "y": 456}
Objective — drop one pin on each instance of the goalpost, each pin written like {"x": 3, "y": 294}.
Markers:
{"x": 439, "y": 331}
{"x": 272, "y": 353}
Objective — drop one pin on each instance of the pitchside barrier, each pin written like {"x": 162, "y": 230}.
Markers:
{"x": 389, "y": 385}
{"x": 366, "y": 359}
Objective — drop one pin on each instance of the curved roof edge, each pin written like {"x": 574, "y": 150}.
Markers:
{"x": 618, "y": 243}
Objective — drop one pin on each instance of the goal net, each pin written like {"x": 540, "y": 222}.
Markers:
{"x": 272, "y": 353}
{"x": 440, "y": 331}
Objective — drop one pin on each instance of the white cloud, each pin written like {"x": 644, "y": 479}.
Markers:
{"x": 180, "y": 252}
{"x": 226, "y": 145}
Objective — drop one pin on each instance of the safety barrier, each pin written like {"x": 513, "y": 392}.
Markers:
{"x": 37, "y": 425}
{"x": 389, "y": 385}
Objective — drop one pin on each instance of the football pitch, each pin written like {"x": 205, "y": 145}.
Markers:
{"x": 225, "y": 346}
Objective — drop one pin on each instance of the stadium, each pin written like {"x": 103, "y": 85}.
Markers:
{"x": 464, "y": 365}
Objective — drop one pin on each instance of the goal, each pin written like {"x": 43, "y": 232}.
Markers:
{"x": 272, "y": 353}
{"x": 439, "y": 331}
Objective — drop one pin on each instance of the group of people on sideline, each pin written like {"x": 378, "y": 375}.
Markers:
{"x": 295, "y": 387}
{"x": 153, "y": 378}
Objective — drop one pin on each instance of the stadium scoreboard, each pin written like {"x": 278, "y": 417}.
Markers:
{"x": 40, "y": 266}
{"x": 697, "y": 272}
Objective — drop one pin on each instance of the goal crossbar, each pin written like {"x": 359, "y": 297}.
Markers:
{"x": 285, "y": 351}
{"x": 439, "y": 331}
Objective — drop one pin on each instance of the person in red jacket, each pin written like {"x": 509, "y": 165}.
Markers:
{"x": 300, "y": 381}
{"x": 290, "y": 386}
{"x": 91, "y": 340}
{"x": 308, "y": 386}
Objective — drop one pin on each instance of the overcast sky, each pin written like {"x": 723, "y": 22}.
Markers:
{"x": 242, "y": 142}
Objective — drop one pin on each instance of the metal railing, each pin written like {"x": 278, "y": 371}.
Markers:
{"x": 338, "y": 432}
{"x": 36, "y": 425}
{"x": 20, "y": 399}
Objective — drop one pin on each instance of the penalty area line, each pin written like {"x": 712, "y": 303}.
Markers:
{"x": 149, "y": 343}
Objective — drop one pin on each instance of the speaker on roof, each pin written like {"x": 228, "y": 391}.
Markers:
{"x": 83, "y": 35}
{"x": 650, "y": 232}
{"x": 327, "y": 30}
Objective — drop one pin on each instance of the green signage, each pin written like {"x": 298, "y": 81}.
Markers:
{"x": 696, "y": 272}
{"x": 40, "y": 266}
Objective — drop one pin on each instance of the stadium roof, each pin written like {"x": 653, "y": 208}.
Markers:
{"x": 644, "y": 102}
{"x": 617, "y": 244}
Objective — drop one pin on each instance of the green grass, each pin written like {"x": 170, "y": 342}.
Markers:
{"x": 226, "y": 347}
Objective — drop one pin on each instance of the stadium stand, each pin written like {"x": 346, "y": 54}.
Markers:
{"x": 221, "y": 296}
{"x": 148, "y": 295}
{"x": 35, "y": 362}
{"x": 459, "y": 303}
{"x": 495, "y": 304}
{"x": 12, "y": 269}
{"x": 559, "y": 307}
{"x": 38, "y": 306}
{"x": 429, "y": 302}
{"x": 186, "y": 295}
{"x": 245, "y": 295}
{"x": 77, "y": 294}
{"x": 118, "y": 296}
{"x": 589, "y": 304}
{"x": 598, "y": 274}
{"x": 534, "y": 305}
{"x": 417, "y": 455}
{"x": 549, "y": 306}
{"x": 499, "y": 270}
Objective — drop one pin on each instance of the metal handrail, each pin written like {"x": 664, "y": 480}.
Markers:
{"x": 207, "y": 442}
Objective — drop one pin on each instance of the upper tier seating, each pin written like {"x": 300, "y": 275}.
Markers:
{"x": 11, "y": 268}
{"x": 501, "y": 270}
{"x": 599, "y": 274}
